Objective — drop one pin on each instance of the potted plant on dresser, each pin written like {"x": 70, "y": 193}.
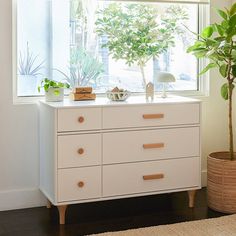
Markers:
{"x": 217, "y": 42}
{"x": 54, "y": 91}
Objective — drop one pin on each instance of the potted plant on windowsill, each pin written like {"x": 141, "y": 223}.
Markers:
{"x": 217, "y": 42}
{"x": 29, "y": 68}
{"x": 54, "y": 91}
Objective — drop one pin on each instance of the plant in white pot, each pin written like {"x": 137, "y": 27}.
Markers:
{"x": 29, "y": 68}
{"x": 217, "y": 42}
{"x": 54, "y": 91}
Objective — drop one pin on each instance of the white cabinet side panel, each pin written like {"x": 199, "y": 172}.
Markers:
{"x": 47, "y": 151}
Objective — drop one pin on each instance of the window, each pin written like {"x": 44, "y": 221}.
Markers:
{"x": 103, "y": 43}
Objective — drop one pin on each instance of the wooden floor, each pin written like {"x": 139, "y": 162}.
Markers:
{"x": 104, "y": 216}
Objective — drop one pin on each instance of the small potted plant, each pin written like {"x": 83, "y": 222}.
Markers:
{"x": 217, "y": 42}
{"x": 54, "y": 91}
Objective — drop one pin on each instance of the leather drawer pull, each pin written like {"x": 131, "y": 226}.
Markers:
{"x": 81, "y": 151}
{"x": 81, "y": 184}
{"x": 81, "y": 119}
{"x": 153, "y": 116}
{"x": 153, "y": 145}
{"x": 155, "y": 176}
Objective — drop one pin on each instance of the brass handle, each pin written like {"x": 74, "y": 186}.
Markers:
{"x": 155, "y": 176}
{"x": 81, "y": 184}
{"x": 153, "y": 145}
{"x": 81, "y": 151}
{"x": 81, "y": 119}
{"x": 153, "y": 116}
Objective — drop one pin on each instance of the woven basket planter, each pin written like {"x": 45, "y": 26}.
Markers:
{"x": 221, "y": 182}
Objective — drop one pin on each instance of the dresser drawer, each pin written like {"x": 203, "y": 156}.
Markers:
{"x": 150, "y": 115}
{"x": 79, "y": 183}
{"x": 78, "y": 119}
{"x": 120, "y": 147}
{"x": 151, "y": 176}
{"x": 79, "y": 150}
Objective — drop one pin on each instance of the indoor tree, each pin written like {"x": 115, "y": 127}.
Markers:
{"x": 217, "y": 42}
{"x": 136, "y": 33}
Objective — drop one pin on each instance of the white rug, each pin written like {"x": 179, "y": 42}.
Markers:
{"x": 222, "y": 226}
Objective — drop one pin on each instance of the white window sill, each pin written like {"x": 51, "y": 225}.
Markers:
{"x": 35, "y": 99}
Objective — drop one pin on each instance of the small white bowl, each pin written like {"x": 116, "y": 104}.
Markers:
{"x": 118, "y": 96}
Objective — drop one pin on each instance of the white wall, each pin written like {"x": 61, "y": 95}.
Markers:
{"x": 19, "y": 166}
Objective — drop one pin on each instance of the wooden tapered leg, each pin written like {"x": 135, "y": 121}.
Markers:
{"x": 49, "y": 204}
{"x": 62, "y": 212}
{"x": 191, "y": 198}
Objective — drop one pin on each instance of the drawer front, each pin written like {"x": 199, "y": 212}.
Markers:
{"x": 79, "y": 183}
{"x": 79, "y": 150}
{"x": 122, "y": 179}
{"x": 120, "y": 147}
{"x": 78, "y": 119}
{"x": 150, "y": 115}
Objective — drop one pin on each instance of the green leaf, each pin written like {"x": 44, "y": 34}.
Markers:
{"x": 207, "y": 32}
{"x": 233, "y": 9}
{"x": 56, "y": 92}
{"x": 219, "y": 29}
{"x": 208, "y": 67}
{"x": 223, "y": 70}
{"x": 234, "y": 70}
{"x": 232, "y": 21}
{"x": 222, "y": 14}
{"x": 225, "y": 91}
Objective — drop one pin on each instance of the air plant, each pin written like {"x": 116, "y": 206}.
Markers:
{"x": 28, "y": 63}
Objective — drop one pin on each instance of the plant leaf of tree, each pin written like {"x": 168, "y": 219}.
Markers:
{"x": 207, "y": 32}
{"x": 234, "y": 70}
{"x": 232, "y": 21}
{"x": 225, "y": 91}
{"x": 223, "y": 70}
{"x": 222, "y": 14}
{"x": 233, "y": 9}
{"x": 208, "y": 67}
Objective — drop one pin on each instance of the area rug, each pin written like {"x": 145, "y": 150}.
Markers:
{"x": 222, "y": 226}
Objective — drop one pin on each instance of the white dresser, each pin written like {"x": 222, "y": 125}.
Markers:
{"x": 98, "y": 150}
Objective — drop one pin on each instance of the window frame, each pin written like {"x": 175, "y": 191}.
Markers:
{"x": 203, "y": 81}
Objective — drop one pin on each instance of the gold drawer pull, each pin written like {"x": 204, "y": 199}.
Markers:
{"x": 81, "y": 184}
{"x": 81, "y": 119}
{"x": 153, "y": 145}
{"x": 153, "y": 116}
{"x": 155, "y": 176}
{"x": 81, "y": 151}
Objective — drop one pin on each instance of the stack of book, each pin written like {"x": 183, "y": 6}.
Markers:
{"x": 82, "y": 93}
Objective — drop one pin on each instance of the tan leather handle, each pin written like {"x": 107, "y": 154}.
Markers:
{"x": 153, "y": 116}
{"x": 81, "y": 184}
{"x": 154, "y": 176}
{"x": 81, "y": 151}
{"x": 153, "y": 145}
{"x": 81, "y": 119}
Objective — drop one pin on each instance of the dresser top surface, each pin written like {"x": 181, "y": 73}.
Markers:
{"x": 133, "y": 100}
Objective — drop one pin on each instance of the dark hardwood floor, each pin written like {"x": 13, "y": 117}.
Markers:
{"x": 89, "y": 218}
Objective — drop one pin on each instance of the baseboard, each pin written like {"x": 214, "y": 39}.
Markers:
{"x": 204, "y": 178}
{"x": 23, "y": 198}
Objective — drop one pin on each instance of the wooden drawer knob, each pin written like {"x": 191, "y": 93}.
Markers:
{"x": 153, "y": 116}
{"x": 154, "y": 176}
{"x": 81, "y": 184}
{"x": 81, "y": 151}
{"x": 81, "y": 119}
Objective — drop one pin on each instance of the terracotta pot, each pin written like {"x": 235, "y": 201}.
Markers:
{"x": 221, "y": 182}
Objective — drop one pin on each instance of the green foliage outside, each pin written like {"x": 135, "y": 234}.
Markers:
{"x": 84, "y": 69}
{"x": 136, "y": 33}
{"x": 217, "y": 42}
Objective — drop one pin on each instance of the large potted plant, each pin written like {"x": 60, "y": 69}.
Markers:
{"x": 217, "y": 42}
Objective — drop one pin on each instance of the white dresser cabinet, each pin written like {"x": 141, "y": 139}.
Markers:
{"x": 98, "y": 150}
